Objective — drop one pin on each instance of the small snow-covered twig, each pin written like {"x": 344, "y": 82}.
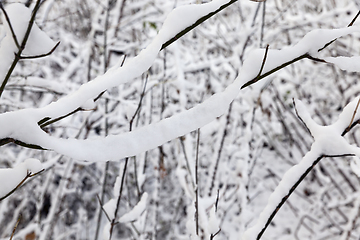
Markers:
{"x": 14, "y": 178}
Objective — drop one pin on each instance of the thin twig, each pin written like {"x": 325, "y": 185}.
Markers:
{"x": 15, "y": 227}
{"x": 102, "y": 208}
{"x": 21, "y": 48}
{"x": 263, "y": 23}
{"x": 10, "y": 26}
{"x": 350, "y": 24}
{"x": 354, "y": 19}
{"x": 198, "y": 22}
{"x": 353, "y": 116}
{"x": 113, "y": 223}
{"x": 42, "y": 55}
{"x": 306, "y": 55}
{"x": 217, "y": 200}
{"x": 285, "y": 198}
{"x": 214, "y": 235}
{"x": 197, "y": 182}
{"x": 28, "y": 175}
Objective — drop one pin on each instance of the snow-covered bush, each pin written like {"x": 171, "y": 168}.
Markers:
{"x": 126, "y": 130}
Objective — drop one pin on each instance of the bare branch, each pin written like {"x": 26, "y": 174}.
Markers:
{"x": 15, "y": 227}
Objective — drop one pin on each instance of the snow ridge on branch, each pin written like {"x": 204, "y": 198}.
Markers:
{"x": 23, "y": 124}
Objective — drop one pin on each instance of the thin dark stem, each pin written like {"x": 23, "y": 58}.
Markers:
{"x": 263, "y": 23}
{"x": 354, "y": 19}
{"x": 101, "y": 200}
{"x": 214, "y": 235}
{"x": 28, "y": 175}
{"x": 225, "y": 133}
{"x": 10, "y": 26}
{"x": 119, "y": 19}
{"x": 5, "y": 141}
{"x": 140, "y": 104}
{"x": 21, "y": 48}
{"x": 113, "y": 223}
{"x": 15, "y": 227}
{"x": 350, "y": 24}
{"x": 45, "y": 122}
{"x": 42, "y": 55}
{"x": 102, "y": 208}
{"x": 353, "y": 116}
{"x": 197, "y": 182}
{"x": 198, "y": 22}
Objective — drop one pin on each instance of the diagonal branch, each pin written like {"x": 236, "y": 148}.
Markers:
{"x": 10, "y": 26}
{"x": 28, "y": 175}
{"x": 198, "y": 22}
{"x": 292, "y": 189}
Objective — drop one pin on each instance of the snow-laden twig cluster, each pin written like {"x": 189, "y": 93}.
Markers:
{"x": 328, "y": 142}
{"x": 23, "y": 124}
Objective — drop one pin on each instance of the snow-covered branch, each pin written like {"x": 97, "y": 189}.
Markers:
{"x": 132, "y": 143}
{"x": 328, "y": 142}
{"x": 23, "y": 124}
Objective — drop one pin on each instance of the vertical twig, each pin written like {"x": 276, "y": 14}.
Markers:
{"x": 106, "y": 119}
{"x": 16, "y": 225}
{"x": 225, "y": 133}
{"x": 126, "y": 161}
{"x": 353, "y": 116}
{"x": 197, "y": 182}
{"x": 120, "y": 17}
{"x": 262, "y": 23}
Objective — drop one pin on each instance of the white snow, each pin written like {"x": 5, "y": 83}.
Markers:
{"x": 11, "y": 177}
{"x": 38, "y": 41}
{"x": 351, "y": 64}
{"x": 24, "y": 122}
{"x": 327, "y": 141}
{"x": 136, "y": 212}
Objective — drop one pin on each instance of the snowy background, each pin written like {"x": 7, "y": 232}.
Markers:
{"x": 243, "y": 147}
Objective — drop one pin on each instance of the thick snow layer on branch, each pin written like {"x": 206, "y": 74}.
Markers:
{"x": 38, "y": 41}
{"x": 11, "y": 177}
{"x": 351, "y": 64}
{"x": 22, "y": 125}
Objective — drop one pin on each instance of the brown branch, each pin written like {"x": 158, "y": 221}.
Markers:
{"x": 285, "y": 198}
{"x": 15, "y": 227}
{"x": 10, "y": 26}
{"x": 28, "y": 175}
{"x": 102, "y": 208}
{"x": 41, "y": 55}
{"x": 5, "y": 141}
{"x": 353, "y": 116}
{"x": 350, "y": 24}
{"x": 198, "y": 22}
